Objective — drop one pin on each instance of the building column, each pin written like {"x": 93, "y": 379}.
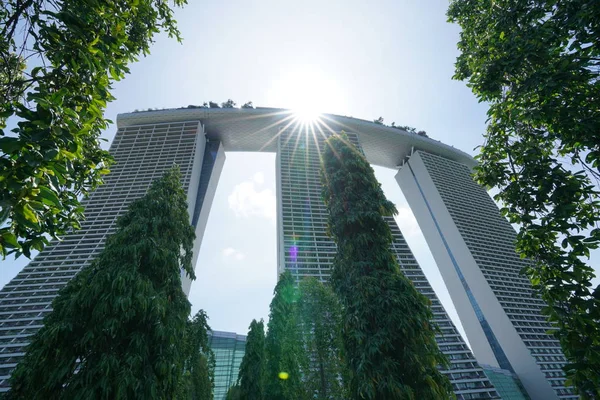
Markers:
{"x": 473, "y": 245}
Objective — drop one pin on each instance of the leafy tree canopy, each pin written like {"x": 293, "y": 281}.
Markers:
{"x": 389, "y": 339}
{"x": 115, "y": 329}
{"x": 228, "y": 104}
{"x": 320, "y": 319}
{"x": 58, "y": 61}
{"x": 285, "y": 356}
{"x": 251, "y": 379}
{"x": 537, "y": 64}
{"x": 197, "y": 382}
{"x": 234, "y": 393}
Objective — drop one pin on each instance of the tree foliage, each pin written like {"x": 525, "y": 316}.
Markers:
{"x": 252, "y": 369}
{"x": 58, "y": 60}
{"x": 228, "y": 104}
{"x": 197, "y": 382}
{"x": 537, "y": 64}
{"x": 283, "y": 346}
{"x": 389, "y": 338}
{"x": 320, "y": 321}
{"x": 234, "y": 393}
{"x": 115, "y": 329}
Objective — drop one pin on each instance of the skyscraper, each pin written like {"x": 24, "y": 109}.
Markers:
{"x": 306, "y": 250}
{"x": 474, "y": 246}
{"x": 147, "y": 143}
{"x": 142, "y": 154}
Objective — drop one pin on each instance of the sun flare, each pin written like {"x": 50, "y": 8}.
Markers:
{"x": 306, "y": 114}
{"x": 308, "y": 92}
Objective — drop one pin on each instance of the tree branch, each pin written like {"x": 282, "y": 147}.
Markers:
{"x": 14, "y": 19}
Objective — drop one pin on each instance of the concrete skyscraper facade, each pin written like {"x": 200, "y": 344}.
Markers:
{"x": 142, "y": 154}
{"x": 147, "y": 143}
{"x": 306, "y": 250}
{"x": 473, "y": 244}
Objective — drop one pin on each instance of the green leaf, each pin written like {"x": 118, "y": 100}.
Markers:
{"x": 35, "y": 71}
{"x": 29, "y": 214}
{"x": 49, "y": 197}
{"x": 9, "y": 145}
{"x": 9, "y": 239}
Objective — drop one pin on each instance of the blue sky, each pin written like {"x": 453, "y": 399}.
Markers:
{"x": 364, "y": 59}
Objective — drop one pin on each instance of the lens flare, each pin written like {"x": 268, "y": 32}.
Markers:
{"x": 294, "y": 253}
{"x": 293, "y": 249}
{"x": 306, "y": 114}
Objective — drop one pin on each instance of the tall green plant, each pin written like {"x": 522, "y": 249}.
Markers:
{"x": 285, "y": 356}
{"x": 197, "y": 382}
{"x": 389, "y": 339}
{"x": 537, "y": 64}
{"x": 115, "y": 330}
{"x": 320, "y": 319}
{"x": 251, "y": 379}
{"x": 234, "y": 393}
{"x": 58, "y": 61}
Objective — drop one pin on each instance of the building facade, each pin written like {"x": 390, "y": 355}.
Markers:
{"x": 147, "y": 143}
{"x": 229, "y": 349}
{"x": 306, "y": 250}
{"x": 506, "y": 383}
{"x": 142, "y": 154}
{"x": 473, "y": 244}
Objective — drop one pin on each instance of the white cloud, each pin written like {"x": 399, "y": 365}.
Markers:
{"x": 228, "y": 251}
{"x": 247, "y": 200}
{"x": 407, "y": 222}
{"x": 259, "y": 178}
{"x": 234, "y": 254}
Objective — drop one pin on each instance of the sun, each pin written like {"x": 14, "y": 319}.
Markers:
{"x": 308, "y": 92}
{"x": 306, "y": 113}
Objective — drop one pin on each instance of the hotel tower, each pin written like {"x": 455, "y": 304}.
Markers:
{"x": 472, "y": 244}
